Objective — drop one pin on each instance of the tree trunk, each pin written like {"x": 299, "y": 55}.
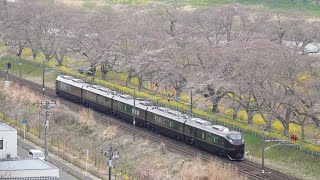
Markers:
{"x": 59, "y": 59}
{"x": 140, "y": 79}
{"x": 47, "y": 56}
{"x": 129, "y": 77}
{"x": 235, "y": 113}
{"x": 286, "y": 129}
{"x": 178, "y": 92}
{"x": 215, "y": 108}
{"x": 104, "y": 71}
{"x": 250, "y": 116}
{"x": 34, "y": 54}
{"x": 302, "y": 131}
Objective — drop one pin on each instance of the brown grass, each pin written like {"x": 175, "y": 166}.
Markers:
{"x": 139, "y": 159}
{"x": 199, "y": 170}
{"x": 86, "y": 117}
{"x": 109, "y": 133}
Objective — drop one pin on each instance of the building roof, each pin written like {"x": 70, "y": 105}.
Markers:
{"x": 25, "y": 164}
{"x": 4, "y": 127}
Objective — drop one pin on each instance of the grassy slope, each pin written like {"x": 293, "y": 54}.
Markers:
{"x": 306, "y": 7}
{"x": 295, "y": 162}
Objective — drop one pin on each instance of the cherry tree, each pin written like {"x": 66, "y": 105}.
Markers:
{"x": 138, "y": 47}
{"x": 94, "y": 36}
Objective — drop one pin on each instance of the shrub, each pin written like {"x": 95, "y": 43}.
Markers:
{"x": 242, "y": 115}
{"x": 228, "y": 112}
{"x": 277, "y": 126}
{"x": 294, "y": 129}
{"x": 258, "y": 120}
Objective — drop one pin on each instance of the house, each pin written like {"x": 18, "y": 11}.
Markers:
{"x": 8, "y": 142}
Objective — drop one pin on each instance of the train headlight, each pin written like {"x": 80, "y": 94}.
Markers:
{"x": 231, "y": 140}
{"x": 242, "y": 140}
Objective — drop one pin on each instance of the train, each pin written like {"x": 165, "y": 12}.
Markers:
{"x": 198, "y": 132}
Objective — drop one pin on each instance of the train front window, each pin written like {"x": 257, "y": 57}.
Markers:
{"x": 236, "y": 136}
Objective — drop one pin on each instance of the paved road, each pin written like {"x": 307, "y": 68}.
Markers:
{"x": 23, "y": 153}
{"x": 58, "y": 162}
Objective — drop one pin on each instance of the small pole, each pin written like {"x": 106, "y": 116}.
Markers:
{"x": 46, "y": 123}
{"x": 24, "y": 132}
{"x": 191, "y": 103}
{"x": 43, "y": 78}
{"x": 134, "y": 114}
{"x": 7, "y": 72}
{"x": 87, "y": 156}
{"x": 110, "y": 162}
{"x": 20, "y": 54}
{"x": 263, "y": 139}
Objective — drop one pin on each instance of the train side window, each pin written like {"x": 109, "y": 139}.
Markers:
{"x": 101, "y": 99}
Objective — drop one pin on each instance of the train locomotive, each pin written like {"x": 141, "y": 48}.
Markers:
{"x": 195, "y": 131}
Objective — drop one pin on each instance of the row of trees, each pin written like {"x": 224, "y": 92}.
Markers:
{"x": 236, "y": 57}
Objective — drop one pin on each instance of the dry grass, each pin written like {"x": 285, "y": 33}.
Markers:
{"x": 197, "y": 169}
{"x": 86, "y": 117}
{"x": 109, "y": 133}
{"x": 139, "y": 159}
{"x": 80, "y": 3}
{"x": 1, "y": 84}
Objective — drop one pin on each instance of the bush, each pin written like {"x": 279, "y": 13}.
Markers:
{"x": 242, "y": 115}
{"x": 258, "y": 120}
{"x": 295, "y": 129}
{"x": 277, "y": 126}
{"x": 228, "y": 112}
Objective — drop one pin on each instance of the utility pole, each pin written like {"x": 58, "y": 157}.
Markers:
{"x": 20, "y": 54}
{"x": 47, "y": 105}
{"x": 43, "y": 78}
{"x": 8, "y": 67}
{"x": 112, "y": 155}
{"x": 110, "y": 162}
{"x": 191, "y": 103}
{"x": 134, "y": 115}
{"x": 263, "y": 140}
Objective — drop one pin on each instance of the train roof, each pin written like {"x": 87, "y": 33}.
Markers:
{"x": 71, "y": 81}
{"x": 146, "y": 105}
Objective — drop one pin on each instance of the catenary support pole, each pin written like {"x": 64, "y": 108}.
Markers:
{"x": 262, "y": 148}
{"x": 191, "y": 103}
{"x": 43, "y": 78}
{"x": 46, "y": 124}
{"x": 110, "y": 162}
{"x": 134, "y": 115}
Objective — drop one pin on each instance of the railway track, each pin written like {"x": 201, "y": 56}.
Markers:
{"x": 246, "y": 168}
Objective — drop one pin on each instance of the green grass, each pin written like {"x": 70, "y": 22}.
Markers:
{"x": 307, "y": 7}
{"x": 30, "y": 69}
{"x": 288, "y": 159}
